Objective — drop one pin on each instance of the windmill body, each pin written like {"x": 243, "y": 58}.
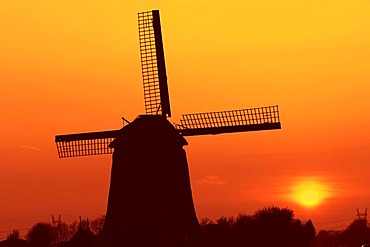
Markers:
{"x": 150, "y": 197}
{"x": 150, "y": 200}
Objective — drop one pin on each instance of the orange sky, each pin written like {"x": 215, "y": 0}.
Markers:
{"x": 74, "y": 66}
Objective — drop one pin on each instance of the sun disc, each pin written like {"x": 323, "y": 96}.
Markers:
{"x": 309, "y": 198}
{"x": 309, "y": 193}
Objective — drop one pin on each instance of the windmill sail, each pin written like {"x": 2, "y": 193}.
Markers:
{"x": 153, "y": 64}
{"x": 263, "y": 118}
{"x": 84, "y": 144}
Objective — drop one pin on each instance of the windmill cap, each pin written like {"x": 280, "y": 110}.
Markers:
{"x": 148, "y": 130}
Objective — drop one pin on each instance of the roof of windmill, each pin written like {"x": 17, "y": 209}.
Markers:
{"x": 155, "y": 126}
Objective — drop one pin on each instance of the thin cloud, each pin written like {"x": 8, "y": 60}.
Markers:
{"x": 211, "y": 179}
{"x": 30, "y": 148}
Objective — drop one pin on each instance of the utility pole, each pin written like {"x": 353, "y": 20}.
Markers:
{"x": 56, "y": 222}
{"x": 362, "y": 216}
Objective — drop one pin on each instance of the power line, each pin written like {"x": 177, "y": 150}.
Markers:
{"x": 333, "y": 221}
{"x": 24, "y": 218}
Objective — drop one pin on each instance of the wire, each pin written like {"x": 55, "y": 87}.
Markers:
{"x": 333, "y": 221}
{"x": 24, "y": 218}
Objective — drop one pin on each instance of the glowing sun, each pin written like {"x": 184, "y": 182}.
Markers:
{"x": 309, "y": 193}
{"x": 309, "y": 198}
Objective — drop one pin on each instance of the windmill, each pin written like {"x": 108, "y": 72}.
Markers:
{"x": 150, "y": 198}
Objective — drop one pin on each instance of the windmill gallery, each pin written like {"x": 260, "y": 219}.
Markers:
{"x": 149, "y": 177}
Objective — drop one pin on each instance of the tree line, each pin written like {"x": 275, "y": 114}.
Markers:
{"x": 356, "y": 234}
{"x": 270, "y": 226}
{"x": 46, "y": 234}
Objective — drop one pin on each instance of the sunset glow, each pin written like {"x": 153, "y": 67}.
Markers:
{"x": 74, "y": 66}
{"x": 310, "y": 193}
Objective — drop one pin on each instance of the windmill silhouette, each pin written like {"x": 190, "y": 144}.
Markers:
{"x": 150, "y": 199}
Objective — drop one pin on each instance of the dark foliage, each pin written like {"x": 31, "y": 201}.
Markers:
{"x": 14, "y": 235}
{"x": 50, "y": 235}
{"x": 41, "y": 235}
{"x": 270, "y": 226}
{"x": 355, "y": 235}
{"x": 309, "y": 234}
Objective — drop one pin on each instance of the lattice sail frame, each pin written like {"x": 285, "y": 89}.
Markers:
{"x": 157, "y": 102}
{"x": 85, "y": 144}
{"x": 153, "y": 64}
{"x": 253, "y": 119}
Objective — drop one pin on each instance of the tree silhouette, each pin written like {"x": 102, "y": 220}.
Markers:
{"x": 14, "y": 235}
{"x": 62, "y": 232}
{"x": 226, "y": 222}
{"x": 14, "y": 240}
{"x": 244, "y": 230}
{"x": 309, "y": 234}
{"x": 76, "y": 225}
{"x": 325, "y": 238}
{"x": 205, "y": 221}
{"x": 97, "y": 225}
{"x": 269, "y": 226}
{"x": 41, "y": 235}
{"x": 275, "y": 226}
{"x": 356, "y": 234}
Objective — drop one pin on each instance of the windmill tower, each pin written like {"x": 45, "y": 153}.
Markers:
{"x": 150, "y": 200}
